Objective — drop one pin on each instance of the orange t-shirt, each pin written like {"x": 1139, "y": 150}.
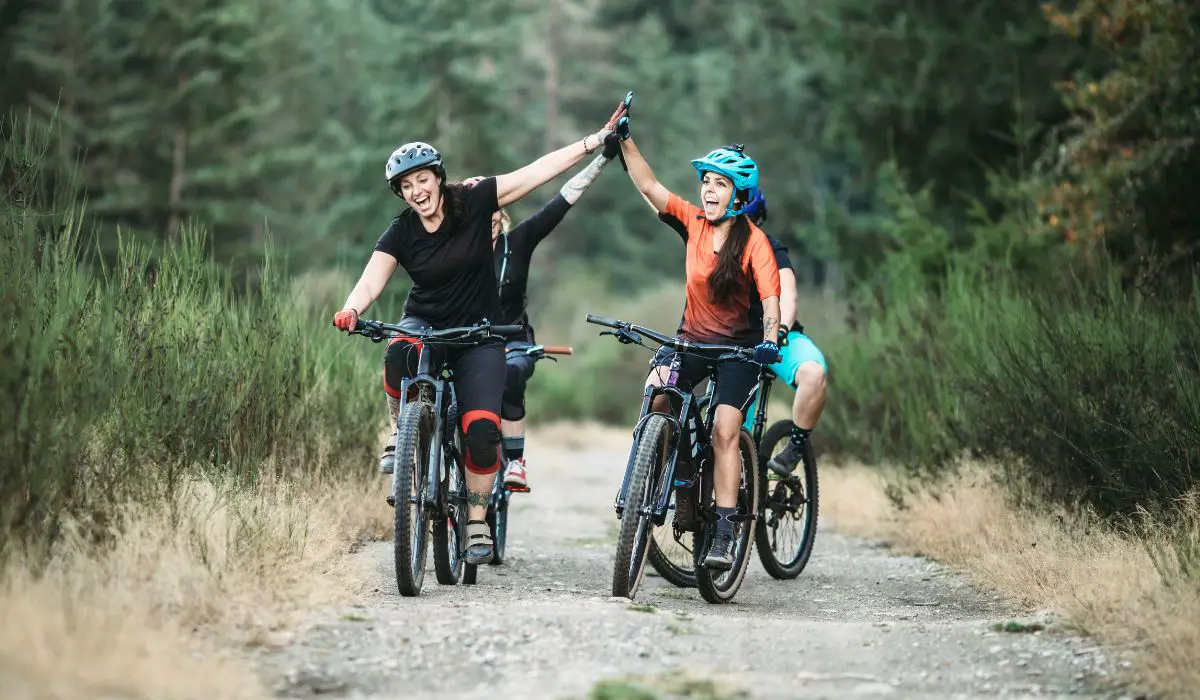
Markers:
{"x": 703, "y": 320}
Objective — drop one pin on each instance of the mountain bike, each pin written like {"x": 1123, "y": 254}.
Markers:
{"x": 664, "y": 442}
{"x": 497, "y": 513}
{"x": 429, "y": 484}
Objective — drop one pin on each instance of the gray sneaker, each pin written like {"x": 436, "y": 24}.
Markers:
{"x": 387, "y": 460}
{"x": 720, "y": 556}
{"x": 785, "y": 462}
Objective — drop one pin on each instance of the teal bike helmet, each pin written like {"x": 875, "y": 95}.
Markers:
{"x": 740, "y": 168}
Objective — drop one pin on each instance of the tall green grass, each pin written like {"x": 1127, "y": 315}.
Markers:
{"x": 1084, "y": 389}
{"x": 118, "y": 380}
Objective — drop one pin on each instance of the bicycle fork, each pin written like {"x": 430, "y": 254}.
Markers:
{"x": 675, "y": 443}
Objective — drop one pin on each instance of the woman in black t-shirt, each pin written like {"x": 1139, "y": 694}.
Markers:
{"x": 443, "y": 241}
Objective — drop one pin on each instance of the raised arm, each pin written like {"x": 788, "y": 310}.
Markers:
{"x": 511, "y": 187}
{"x": 577, "y": 185}
{"x": 533, "y": 230}
{"x": 643, "y": 178}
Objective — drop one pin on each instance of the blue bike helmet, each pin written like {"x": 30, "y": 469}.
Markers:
{"x": 731, "y": 162}
{"x": 410, "y": 157}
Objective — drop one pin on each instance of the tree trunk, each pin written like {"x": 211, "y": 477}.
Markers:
{"x": 550, "y": 135}
{"x": 178, "y": 181}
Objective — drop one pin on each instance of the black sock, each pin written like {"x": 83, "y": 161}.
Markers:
{"x": 724, "y": 525}
{"x": 800, "y": 435}
{"x": 514, "y": 447}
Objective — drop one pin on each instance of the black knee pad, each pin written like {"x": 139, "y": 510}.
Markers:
{"x": 483, "y": 441}
{"x": 399, "y": 362}
{"x": 517, "y": 376}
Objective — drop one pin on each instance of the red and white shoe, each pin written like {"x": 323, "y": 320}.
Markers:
{"x": 515, "y": 478}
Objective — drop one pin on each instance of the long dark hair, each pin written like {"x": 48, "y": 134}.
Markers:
{"x": 728, "y": 279}
{"x": 454, "y": 201}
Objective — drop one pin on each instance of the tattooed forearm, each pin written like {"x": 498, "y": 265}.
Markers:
{"x": 478, "y": 498}
{"x": 576, "y": 186}
{"x": 770, "y": 327}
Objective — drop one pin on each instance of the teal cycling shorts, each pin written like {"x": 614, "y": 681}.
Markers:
{"x": 800, "y": 349}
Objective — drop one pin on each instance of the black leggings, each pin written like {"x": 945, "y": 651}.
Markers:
{"x": 478, "y": 388}
{"x": 518, "y": 370}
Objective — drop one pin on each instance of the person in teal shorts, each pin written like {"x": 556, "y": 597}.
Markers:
{"x": 801, "y": 363}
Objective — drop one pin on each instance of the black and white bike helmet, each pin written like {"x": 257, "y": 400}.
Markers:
{"x": 410, "y": 157}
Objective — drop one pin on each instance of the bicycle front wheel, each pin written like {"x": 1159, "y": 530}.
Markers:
{"x": 787, "y": 527}
{"x": 637, "y": 518}
{"x": 722, "y": 586}
{"x": 408, "y": 490}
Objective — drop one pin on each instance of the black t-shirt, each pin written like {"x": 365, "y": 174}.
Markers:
{"x": 454, "y": 283}
{"x": 512, "y": 256}
{"x": 785, "y": 263}
{"x": 781, "y": 259}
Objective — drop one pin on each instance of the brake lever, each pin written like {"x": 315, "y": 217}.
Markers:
{"x": 624, "y": 336}
{"x": 374, "y": 337}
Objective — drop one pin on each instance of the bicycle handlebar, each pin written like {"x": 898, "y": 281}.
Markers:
{"x": 540, "y": 350}
{"x": 624, "y": 329}
{"x": 379, "y": 330}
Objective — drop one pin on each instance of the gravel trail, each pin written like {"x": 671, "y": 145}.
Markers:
{"x": 860, "y": 622}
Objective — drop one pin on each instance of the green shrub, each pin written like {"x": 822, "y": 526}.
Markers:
{"x": 119, "y": 380}
{"x": 1092, "y": 389}
{"x": 1085, "y": 390}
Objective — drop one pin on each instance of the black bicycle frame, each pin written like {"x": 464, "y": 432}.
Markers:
{"x": 686, "y": 439}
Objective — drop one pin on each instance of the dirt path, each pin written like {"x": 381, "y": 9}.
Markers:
{"x": 859, "y": 622}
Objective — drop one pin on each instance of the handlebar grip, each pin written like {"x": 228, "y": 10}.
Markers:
{"x": 558, "y": 350}
{"x": 603, "y": 321}
{"x": 506, "y": 330}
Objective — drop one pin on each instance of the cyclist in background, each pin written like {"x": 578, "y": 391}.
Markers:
{"x": 513, "y": 252}
{"x": 801, "y": 363}
{"x": 727, "y": 257}
{"x": 443, "y": 241}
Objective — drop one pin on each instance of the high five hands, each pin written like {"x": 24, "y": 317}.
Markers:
{"x": 619, "y": 125}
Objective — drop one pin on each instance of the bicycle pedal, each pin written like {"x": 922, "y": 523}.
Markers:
{"x": 517, "y": 489}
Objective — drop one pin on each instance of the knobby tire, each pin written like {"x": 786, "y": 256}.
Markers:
{"x": 721, "y": 586}
{"x": 408, "y": 489}
{"x": 775, "y": 497}
{"x": 635, "y": 528}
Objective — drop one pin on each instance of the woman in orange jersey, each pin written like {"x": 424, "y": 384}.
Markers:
{"x": 729, "y": 263}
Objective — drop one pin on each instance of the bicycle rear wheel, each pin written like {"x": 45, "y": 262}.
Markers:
{"x": 722, "y": 586}
{"x": 450, "y": 531}
{"x": 671, "y": 554}
{"x": 408, "y": 490}
{"x": 636, "y": 518}
{"x": 787, "y": 526}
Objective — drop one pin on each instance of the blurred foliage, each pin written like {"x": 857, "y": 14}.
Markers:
{"x": 978, "y": 182}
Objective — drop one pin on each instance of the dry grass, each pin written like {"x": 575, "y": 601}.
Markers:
{"x": 1107, "y": 583}
{"x": 161, "y": 611}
